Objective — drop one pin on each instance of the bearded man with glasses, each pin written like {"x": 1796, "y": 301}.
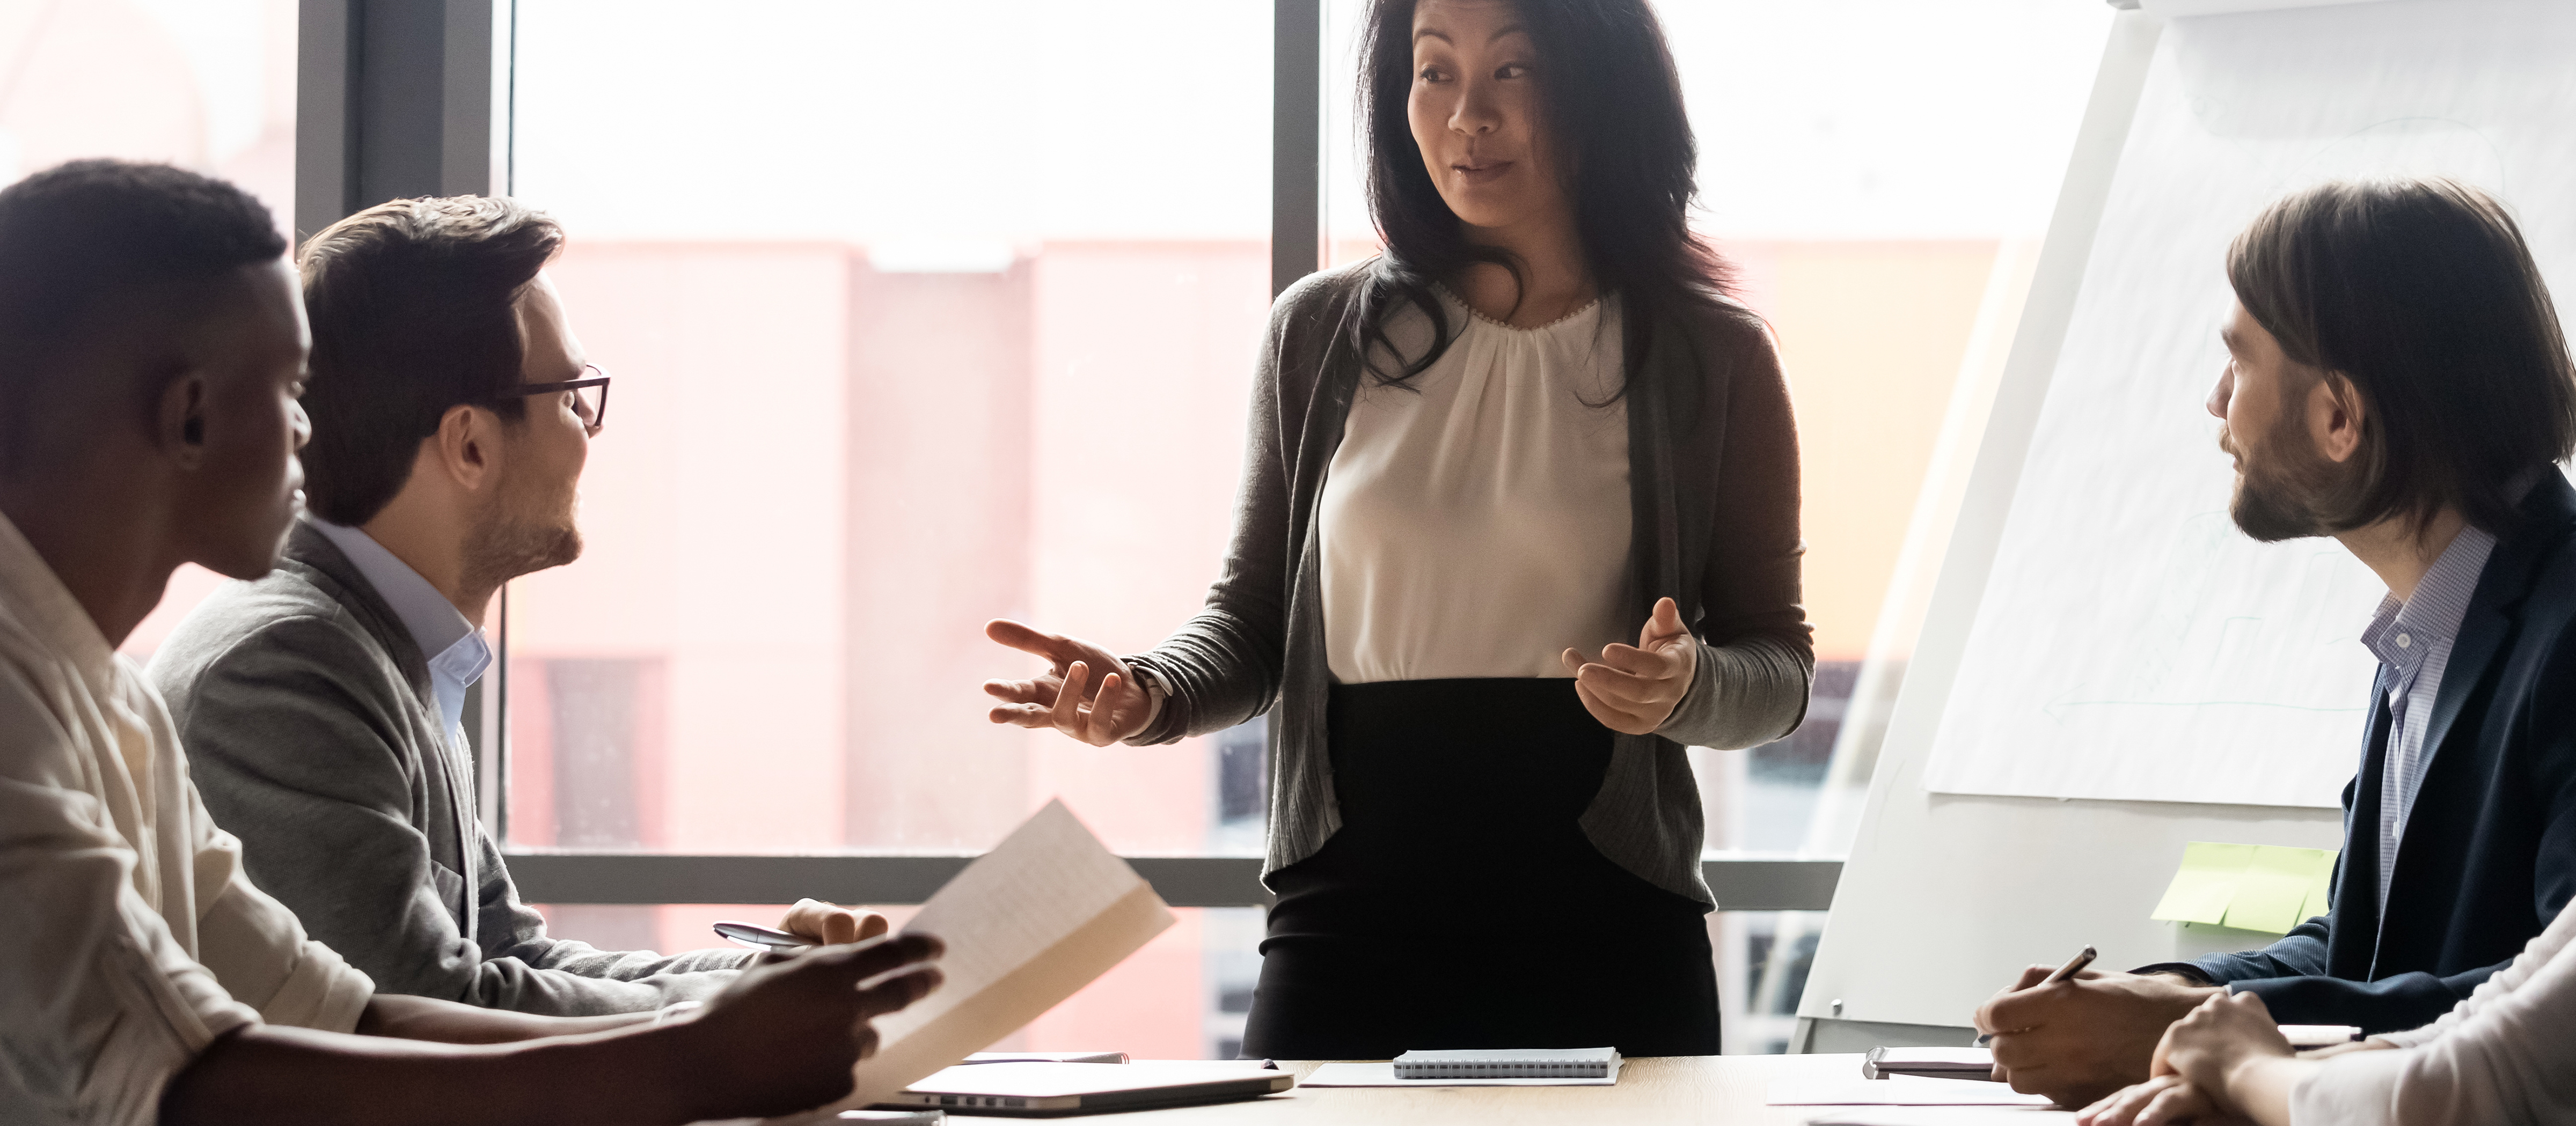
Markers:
{"x": 322, "y": 706}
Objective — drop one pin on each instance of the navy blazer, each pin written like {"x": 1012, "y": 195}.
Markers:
{"x": 2489, "y": 854}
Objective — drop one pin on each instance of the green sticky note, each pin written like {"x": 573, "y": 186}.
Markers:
{"x": 2272, "y": 889}
{"x": 2320, "y": 885}
{"x": 2205, "y": 884}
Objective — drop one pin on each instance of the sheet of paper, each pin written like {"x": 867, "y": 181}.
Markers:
{"x": 2131, "y": 643}
{"x": 2205, "y": 883}
{"x": 1382, "y": 1074}
{"x": 2273, "y": 888}
{"x": 1943, "y": 1116}
{"x": 2264, "y": 888}
{"x": 1904, "y": 1090}
{"x": 1027, "y": 924}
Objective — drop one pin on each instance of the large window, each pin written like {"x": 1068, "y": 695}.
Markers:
{"x": 925, "y": 314}
{"x": 204, "y": 84}
{"x": 921, "y": 315}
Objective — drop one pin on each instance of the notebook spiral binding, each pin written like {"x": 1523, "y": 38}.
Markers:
{"x": 1504, "y": 1065}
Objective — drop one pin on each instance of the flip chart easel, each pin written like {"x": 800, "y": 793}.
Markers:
{"x": 2202, "y": 111}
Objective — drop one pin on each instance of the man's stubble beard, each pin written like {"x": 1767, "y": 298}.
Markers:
{"x": 519, "y": 535}
{"x": 2283, "y": 484}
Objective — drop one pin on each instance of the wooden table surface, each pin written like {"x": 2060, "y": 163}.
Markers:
{"x": 1699, "y": 1090}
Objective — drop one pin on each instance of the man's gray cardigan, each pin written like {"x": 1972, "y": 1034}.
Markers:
{"x": 1713, "y": 483}
{"x": 306, "y": 713}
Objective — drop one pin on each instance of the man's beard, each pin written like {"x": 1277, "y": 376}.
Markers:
{"x": 518, "y": 535}
{"x": 2285, "y": 488}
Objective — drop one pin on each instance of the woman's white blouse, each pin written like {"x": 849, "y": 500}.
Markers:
{"x": 2506, "y": 1054}
{"x": 1476, "y": 522}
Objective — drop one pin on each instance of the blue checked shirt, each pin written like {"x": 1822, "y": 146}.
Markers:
{"x": 2412, "y": 640}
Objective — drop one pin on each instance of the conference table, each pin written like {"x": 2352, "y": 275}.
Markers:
{"x": 1699, "y": 1090}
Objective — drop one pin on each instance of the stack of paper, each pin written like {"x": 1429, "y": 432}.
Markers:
{"x": 1931, "y": 1063}
{"x": 2248, "y": 887}
{"x": 1903, "y": 1090}
{"x": 1027, "y": 924}
{"x": 1944, "y": 1116}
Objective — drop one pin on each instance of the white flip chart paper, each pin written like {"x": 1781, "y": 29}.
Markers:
{"x": 1027, "y": 924}
{"x": 2132, "y": 644}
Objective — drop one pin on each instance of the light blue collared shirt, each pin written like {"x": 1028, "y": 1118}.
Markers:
{"x": 457, "y": 653}
{"x": 2412, "y": 640}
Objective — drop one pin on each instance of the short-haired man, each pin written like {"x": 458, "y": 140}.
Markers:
{"x": 452, "y": 412}
{"x": 2396, "y": 379}
{"x": 151, "y": 349}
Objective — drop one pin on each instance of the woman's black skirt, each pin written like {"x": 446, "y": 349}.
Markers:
{"x": 1460, "y": 905}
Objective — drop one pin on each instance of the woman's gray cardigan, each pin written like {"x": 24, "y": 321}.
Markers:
{"x": 1713, "y": 471}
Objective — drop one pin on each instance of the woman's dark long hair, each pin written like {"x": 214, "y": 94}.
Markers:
{"x": 1612, "y": 102}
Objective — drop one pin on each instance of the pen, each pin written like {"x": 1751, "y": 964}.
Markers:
{"x": 750, "y": 934}
{"x": 2073, "y": 966}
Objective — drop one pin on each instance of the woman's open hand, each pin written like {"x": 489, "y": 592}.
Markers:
{"x": 1064, "y": 697}
{"x": 1633, "y": 689}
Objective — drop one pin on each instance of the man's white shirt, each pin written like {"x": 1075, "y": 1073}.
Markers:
{"x": 129, "y": 937}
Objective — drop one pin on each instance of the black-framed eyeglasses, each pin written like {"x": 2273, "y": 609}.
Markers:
{"x": 589, "y": 396}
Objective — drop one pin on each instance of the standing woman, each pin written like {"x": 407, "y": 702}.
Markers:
{"x": 1533, "y": 429}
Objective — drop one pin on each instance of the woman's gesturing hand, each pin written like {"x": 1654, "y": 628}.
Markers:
{"x": 1064, "y": 697}
{"x": 1633, "y": 689}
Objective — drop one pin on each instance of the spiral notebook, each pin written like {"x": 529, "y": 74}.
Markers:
{"x": 1510, "y": 1063}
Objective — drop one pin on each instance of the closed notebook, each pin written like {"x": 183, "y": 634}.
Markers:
{"x": 1509, "y": 1063}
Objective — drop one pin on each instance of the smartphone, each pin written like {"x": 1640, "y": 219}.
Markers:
{"x": 762, "y": 937}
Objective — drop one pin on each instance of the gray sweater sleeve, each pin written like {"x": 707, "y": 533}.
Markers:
{"x": 290, "y": 736}
{"x": 567, "y": 977}
{"x": 1757, "y": 656}
{"x": 1225, "y": 664}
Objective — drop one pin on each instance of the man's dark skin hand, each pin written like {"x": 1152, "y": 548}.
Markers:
{"x": 794, "y": 1054}
{"x": 2079, "y": 1040}
{"x": 780, "y": 1039}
